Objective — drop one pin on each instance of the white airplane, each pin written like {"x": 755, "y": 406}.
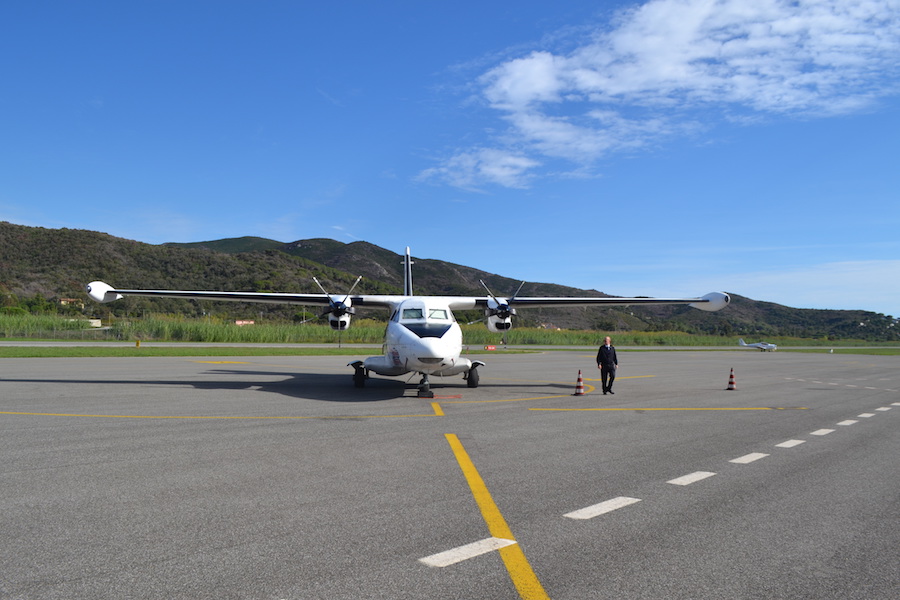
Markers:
{"x": 422, "y": 335}
{"x": 763, "y": 346}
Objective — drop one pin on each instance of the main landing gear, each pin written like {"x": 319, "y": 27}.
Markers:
{"x": 472, "y": 377}
{"x": 359, "y": 374}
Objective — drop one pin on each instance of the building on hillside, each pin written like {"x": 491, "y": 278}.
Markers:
{"x": 72, "y": 302}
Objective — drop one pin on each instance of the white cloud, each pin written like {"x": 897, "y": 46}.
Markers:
{"x": 473, "y": 168}
{"x": 642, "y": 79}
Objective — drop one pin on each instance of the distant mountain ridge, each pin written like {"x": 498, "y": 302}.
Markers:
{"x": 57, "y": 263}
{"x": 233, "y": 245}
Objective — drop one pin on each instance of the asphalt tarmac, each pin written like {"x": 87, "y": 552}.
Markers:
{"x": 273, "y": 477}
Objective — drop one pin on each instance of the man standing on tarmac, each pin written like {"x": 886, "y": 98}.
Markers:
{"x": 607, "y": 363}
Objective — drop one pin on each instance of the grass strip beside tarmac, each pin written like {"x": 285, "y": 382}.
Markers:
{"x": 147, "y": 349}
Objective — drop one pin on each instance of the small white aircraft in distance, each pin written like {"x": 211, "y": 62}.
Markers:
{"x": 422, "y": 335}
{"x": 763, "y": 346}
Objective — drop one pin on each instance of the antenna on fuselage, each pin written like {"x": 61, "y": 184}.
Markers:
{"x": 407, "y": 274}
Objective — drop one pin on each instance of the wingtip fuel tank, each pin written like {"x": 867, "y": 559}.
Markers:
{"x": 102, "y": 292}
{"x": 712, "y": 302}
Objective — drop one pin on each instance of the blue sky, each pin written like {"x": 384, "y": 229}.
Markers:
{"x": 667, "y": 148}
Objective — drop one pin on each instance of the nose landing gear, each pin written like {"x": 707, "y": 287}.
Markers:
{"x": 425, "y": 388}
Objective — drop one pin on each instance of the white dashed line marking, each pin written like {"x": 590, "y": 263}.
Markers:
{"x": 748, "y": 458}
{"x": 455, "y": 555}
{"x": 604, "y": 507}
{"x": 613, "y": 504}
{"x": 691, "y": 478}
{"x": 790, "y": 443}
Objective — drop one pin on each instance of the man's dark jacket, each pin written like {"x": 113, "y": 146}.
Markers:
{"x": 606, "y": 357}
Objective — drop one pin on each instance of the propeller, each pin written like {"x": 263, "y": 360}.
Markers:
{"x": 501, "y": 309}
{"x": 336, "y": 308}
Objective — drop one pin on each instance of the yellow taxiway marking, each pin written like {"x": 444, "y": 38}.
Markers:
{"x": 587, "y": 390}
{"x": 680, "y": 408}
{"x": 624, "y": 377}
{"x": 520, "y": 571}
{"x": 434, "y": 405}
{"x": 222, "y": 362}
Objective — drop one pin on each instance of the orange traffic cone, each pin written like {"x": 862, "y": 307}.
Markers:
{"x": 579, "y": 386}
{"x": 731, "y": 384}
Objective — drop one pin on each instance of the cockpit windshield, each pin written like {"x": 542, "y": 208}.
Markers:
{"x": 412, "y": 313}
{"x": 425, "y": 321}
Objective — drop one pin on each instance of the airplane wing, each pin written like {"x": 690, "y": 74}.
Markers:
{"x": 340, "y": 307}
{"x": 102, "y": 292}
{"x": 710, "y": 302}
{"x": 343, "y": 304}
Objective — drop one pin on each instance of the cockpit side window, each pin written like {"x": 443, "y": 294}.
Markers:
{"x": 413, "y": 313}
{"x": 438, "y": 314}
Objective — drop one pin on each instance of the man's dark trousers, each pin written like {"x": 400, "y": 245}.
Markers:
{"x": 608, "y": 361}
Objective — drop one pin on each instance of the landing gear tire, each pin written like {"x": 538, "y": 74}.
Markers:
{"x": 359, "y": 375}
{"x": 359, "y": 380}
{"x": 472, "y": 379}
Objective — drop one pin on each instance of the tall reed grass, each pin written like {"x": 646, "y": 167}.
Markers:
{"x": 362, "y": 331}
{"x": 41, "y": 326}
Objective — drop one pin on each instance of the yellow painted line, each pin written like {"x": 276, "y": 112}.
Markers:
{"x": 438, "y": 411}
{"x": 625, "y": 377}
{"x": 39, "y": 414}
{"x": 222, "y": 362}
{"x": 520, "y": 571}
{"x": 677, "y": 408}
{"x": 587, "y": 389}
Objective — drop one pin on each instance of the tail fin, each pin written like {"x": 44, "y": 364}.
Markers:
{"x": 742, "y": 342}
{"x": 407, "y": 274}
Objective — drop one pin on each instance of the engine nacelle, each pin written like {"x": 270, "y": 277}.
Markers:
{"x": 339, "y": 322}
{"x": 497, "y": 324}
{"x": 101, "y": 292}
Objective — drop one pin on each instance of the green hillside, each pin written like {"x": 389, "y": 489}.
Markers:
{"x": 233, "y": 245}
{"x": 39, "y": 266}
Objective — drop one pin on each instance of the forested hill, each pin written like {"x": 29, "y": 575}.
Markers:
{"x": 39, "y": 266}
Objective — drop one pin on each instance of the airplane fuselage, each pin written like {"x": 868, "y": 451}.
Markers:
{"x": 421, "y": 336}
{"x": 762, "y": 346}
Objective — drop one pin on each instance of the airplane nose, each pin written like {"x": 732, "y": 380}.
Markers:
{"x": 429, "y": 360}
{"x": 431, "y": 353}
